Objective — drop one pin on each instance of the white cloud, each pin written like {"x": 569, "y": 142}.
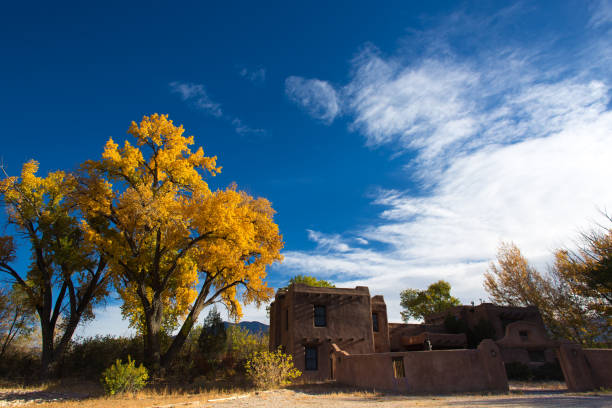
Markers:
{"x": 602, "y": 13}
{"x": 257, "y": 75}
{"x": 316, "y": 97}
{"x": 196, "y": 94}
{"x": 510, "y": 146}
{"x": 327, "y": 242}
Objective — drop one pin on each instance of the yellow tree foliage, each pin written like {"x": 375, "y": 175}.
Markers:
{"x": 66, "y": 275}
{"x": 149, "y": 208}
{"x": 565, "y": 311}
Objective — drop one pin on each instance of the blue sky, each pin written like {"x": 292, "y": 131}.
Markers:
{"x": 399, "y": 143}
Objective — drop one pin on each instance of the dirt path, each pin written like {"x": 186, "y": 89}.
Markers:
{"x": 288, "y": 398}
{"x": 312, "y": 396}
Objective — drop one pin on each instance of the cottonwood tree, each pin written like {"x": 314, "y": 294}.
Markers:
{"x": 174, "y": 246}
{"x": 566, "y": 312}
{"x": 588, "y": 270}
{"x": 419, "y": 303}
{"x": 67, "y": 275}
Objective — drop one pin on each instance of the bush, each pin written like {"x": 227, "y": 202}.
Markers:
{"x": 120, "y": 377}
{"x": 269, "y": 369}
{"x": 89, "y": 357}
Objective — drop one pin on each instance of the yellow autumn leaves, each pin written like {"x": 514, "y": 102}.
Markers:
{"x": 148, "y": 206}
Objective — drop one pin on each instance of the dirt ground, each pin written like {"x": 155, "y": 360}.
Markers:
{"x": 319, "y": 395}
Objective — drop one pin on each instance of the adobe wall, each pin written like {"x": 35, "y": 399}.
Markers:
{"x": 381, "y": 337}
{"x": 600, "y": 361}
{"x": 399, "y": 330}
{"x": 498, "y": 316}
{"x": 426, "y": 371}
{"x": 348, "y": 324}
{"x": 523, "y": 337}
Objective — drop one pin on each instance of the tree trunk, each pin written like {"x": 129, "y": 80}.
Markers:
{"x": 47, "y": 332}
{"x": 181, "y": 337}
{"x": 153, "y": 319}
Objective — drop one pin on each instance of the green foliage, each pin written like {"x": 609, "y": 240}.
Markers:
{"x": 270, "y": 369}
{"x": 120, "y": 378}
{"x": 213, "y": 337}
{"x": 89, "y": 357}
{"x": 311, "y": 281}
{"x": 419, "y": 303}
{"x": 241, "y": 344}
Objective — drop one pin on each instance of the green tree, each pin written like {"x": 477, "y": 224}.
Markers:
{"x": 311, "y": 281}
{"x": 67, "y": 275}
{"x": 213, "y": 337}
{"x": 419, "y": 303}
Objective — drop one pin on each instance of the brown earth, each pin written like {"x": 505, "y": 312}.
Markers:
{"x": 317, "y": 395}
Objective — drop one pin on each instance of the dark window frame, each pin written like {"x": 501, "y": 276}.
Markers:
{"x": 320, "y": 316}
{"x": 375, "y": 322}
{"x": 311, "y": 358}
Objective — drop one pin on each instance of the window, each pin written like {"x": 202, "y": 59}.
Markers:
{"x": 319, "y": 316}
{"x": 524, "y": 335}
{"x": 375, "y": 321}
{"x": 312, "y": 358}
{"x": 398, "y": 367}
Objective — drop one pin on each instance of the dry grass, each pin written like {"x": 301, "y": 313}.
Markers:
{"x": 78, "y": 394}
{"x": 90, "y": 394}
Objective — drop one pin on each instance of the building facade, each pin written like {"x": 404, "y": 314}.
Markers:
{"x": 305, "y": 321}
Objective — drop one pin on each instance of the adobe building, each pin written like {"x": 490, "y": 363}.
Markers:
{"x": 343, "y": 334}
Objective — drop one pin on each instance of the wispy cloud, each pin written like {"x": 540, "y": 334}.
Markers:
{"x": 257, "y": 75}
{"x": 196, "y": 95}
{"x": 318, "y": 98}
{"x": 512, "y": 143}
{"x": 243, "y": 129}
{"x": 602, "y": 13}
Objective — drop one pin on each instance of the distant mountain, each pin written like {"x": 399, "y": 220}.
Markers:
{"x": 252, "y": 327}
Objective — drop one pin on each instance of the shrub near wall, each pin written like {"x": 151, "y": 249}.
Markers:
{"x": 271, "y": 369}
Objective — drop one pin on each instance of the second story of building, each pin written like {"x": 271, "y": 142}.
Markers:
{"x": 303, "y": 314}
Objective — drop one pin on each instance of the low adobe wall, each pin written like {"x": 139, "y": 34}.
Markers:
{"x": 585, "y": 369}
{"x": 426, "y": 371}
{"x": 600, "y": 361}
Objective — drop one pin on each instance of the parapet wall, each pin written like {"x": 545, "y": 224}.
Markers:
{"x": 425, "y": 371}
{"x": 585, "y": 369}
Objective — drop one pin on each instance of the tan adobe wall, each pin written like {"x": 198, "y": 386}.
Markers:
{"x": 523, "y": 338}
{"x": 348, "y": 323}
{"x": 381, "y": 337}
{"x": 397, "y": 331}
{"x": 426, "y": 371}
{"x": 498, "y": 316}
